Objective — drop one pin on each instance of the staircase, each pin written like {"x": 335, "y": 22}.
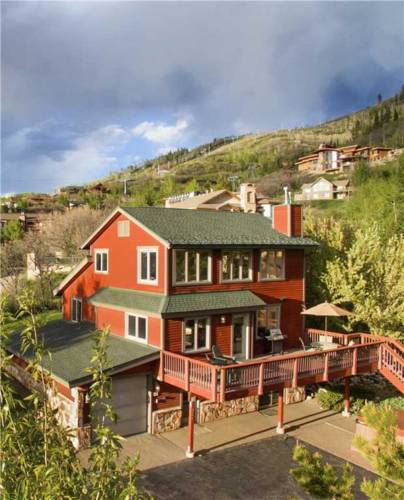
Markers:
{"x": 391, "y": 363}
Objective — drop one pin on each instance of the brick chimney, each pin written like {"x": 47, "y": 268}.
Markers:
{"x": 287, "y": 218}
{"x": 248, "y": 197}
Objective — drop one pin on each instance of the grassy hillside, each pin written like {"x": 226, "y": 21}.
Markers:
{"x": 266, "y": 158}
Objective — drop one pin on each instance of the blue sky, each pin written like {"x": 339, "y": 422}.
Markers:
{"x": 90, "y": 87}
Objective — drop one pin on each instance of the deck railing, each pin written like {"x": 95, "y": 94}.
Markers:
{"x": 355, "y": 353}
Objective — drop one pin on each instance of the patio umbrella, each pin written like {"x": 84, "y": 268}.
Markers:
{"x": 326, "y": 309}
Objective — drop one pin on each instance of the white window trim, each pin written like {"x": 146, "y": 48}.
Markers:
{"x": 279, "y": 307}
{"x": 208, "y": 332}
{"x": 77, "y": 299}
{"x": 148, "y": 250}
{"x": 120, "y": 224}
{"x": 242, "y": 280}
{"x": 198, "y": 281}
{"x": 132, "y": 337}
{"x": 282, "y": 278}
{"x": 101, "y": 251}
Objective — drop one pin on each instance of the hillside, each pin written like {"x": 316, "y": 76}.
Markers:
{"x": 266, "y": 158}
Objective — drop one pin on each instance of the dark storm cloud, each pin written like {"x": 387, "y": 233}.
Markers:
{"x": 229, "y": 67}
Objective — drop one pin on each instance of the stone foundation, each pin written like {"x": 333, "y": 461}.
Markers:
{"x": 296, "y": 395}
{"x": 209, "y": 411}
{"x": 166, "y": 420}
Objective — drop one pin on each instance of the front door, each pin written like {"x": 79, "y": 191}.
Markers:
{"x": 240, "y": 336}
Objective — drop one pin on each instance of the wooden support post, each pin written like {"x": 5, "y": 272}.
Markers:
{"x": 223, "y": 373}
{"x": 325, "y": 375}
{"x": 346, "y": 413}
{"x": 261, "y": 380}
{"x": 187, "y": 375}
{"x": 380, "y": 357}
{"x": 161, "y": 367}
{"x": 280, "y": 429}
{"x": 355, "y": 361}
{"x": 191, "y": 413}
{"x": 294, "y": 382}
{"x": 214, "y": 384}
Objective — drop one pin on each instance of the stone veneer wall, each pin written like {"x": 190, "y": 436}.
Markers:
{"x": 67, "y": 414}
{"x": 166, "y": 420}
{"x": 209, "y": 411}
{"x": 294, "y": 395}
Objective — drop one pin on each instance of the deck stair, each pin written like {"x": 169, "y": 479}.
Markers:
{"x": 355, "y": 353}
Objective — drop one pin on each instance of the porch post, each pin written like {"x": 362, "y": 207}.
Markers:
{"x": 280, "y": 429}
{"x": 346, "y": 413}
{"x": 191, "y": 412}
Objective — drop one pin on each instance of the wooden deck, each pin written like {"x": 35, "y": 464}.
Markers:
{"x": 356, "y": 353}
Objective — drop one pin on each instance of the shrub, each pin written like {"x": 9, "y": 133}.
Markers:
{"x": 330, "y": 399}
{"x": 396, "y": 403}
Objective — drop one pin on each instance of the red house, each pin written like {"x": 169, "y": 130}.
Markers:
{"x": 170, "y": 284}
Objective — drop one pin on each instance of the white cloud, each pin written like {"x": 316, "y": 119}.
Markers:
{"x": 161, "y": 133}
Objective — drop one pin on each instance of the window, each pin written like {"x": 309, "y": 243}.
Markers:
{"x": 76, "y": 309}
{"x": 272, "y": 265}
{"x": 192, "y": 266}
{"x": 147, "y": 265}
{"x": 268, "y": 318}
{"x": 123, "y": 229}
{"x": 196, "y": 334}
{"x": 101, "y": 261}
{"x": 236, "y": 266}
{"x": 136, "y": 327}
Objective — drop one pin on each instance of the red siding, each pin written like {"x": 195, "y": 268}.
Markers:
{"x": 112, "y": 318}
{"x": 116, "y": 321}
{"x": 122, "y": 271}
{"x": 168, "y": 397}
{"x": 221, "y": 334}
{"x": 296, "y": 220}
{"x": 83, "y": 286}
{"x": 289, "y": 292}
{"x": 280, "y": 218}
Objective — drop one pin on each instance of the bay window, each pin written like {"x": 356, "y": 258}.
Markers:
{"x": 268, "y": 319}
{"x": 196, "y": 334}
{"x": 136, "y": 327}
{"x": 272, "y": 265}
{"x": 192, "y": 266}
{"x": 236, "y": 266}
{"x": 147, "y": 265}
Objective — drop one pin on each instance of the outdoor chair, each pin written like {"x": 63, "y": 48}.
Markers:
{"x": 218, "y": 358}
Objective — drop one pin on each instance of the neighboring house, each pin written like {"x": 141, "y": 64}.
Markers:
{"x": 328, "y": 158}
{"x": 28, "y": 221}
{"x": 323, "y": 189}
{"x": 176, "y": 282}
{"x": 246, "y": 200}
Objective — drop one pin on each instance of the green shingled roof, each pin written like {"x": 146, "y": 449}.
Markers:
{"x": 182, "y": 227}
{"x": 71, "y": 345}
{"x": 175, "y": 304}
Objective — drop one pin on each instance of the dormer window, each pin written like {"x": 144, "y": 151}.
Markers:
{"x": 101, "y": 261}
{"x": 147, "y": 265}
{"x": 192, "y": 266}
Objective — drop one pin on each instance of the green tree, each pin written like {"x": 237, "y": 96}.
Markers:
{"x": 12, "y": 231}
{"x": 384, "y": 452}
{"x": 361, "y": 174}
{"x": 320, "y": 479}
{"x": 37, "y": 457}
{"x": 371, "y": 278}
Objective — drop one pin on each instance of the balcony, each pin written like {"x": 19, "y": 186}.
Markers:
{"x": 334, "y": 355}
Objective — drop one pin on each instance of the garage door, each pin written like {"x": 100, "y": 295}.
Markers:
{"x": 129, "y": 402}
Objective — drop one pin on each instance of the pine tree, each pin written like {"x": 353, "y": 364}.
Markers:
{"x": 384, "y": 452}
{"x": 319, "y": 479}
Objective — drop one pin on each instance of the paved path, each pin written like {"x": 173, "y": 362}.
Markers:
{"x": 258, "y": 470}
{"x": 326, "y": 430}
